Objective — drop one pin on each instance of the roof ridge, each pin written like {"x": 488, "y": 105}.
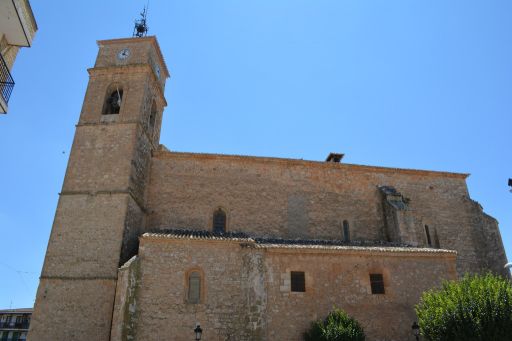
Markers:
{"x": 167, "y": 152}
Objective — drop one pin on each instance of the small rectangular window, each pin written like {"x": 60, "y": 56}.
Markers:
{"x": 427, "y": 232}
{"x": 194, "y": 288}
{"x": 346, "y": 231}
{"x": 298, "y": 281}
{"x": 377, "y": 283}
{"x": 436, "y": 239}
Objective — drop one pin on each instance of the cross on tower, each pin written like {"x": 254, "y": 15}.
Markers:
{"x": 141, "y": 27}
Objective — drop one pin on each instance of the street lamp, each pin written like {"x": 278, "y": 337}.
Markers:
{"x": 198, "y": 331}
{"x": 416, "y": 330}
{"x": 508, "y": 266}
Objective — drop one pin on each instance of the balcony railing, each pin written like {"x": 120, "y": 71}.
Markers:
{"x": 6, "y": 81}
{"x": 14, "y": 325}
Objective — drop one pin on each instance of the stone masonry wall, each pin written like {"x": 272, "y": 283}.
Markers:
{"x": 125, "y": 307}
{"x": 490, "y": 249}
{"x": 92, "y": 224}
{"x": 246, "y": 288}
{"x": 302, "y": 199}
{"x": 341, "y": 279}
{"x": 161, "y": 299}
{"x": 60, "y": 312}
{"x": 101, "y": 210}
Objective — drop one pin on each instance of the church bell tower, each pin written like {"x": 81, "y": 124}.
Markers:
{"x": 101, "y": 209}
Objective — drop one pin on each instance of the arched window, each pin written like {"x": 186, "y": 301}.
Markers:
{"x": 219, "y": 221}
{"x": 194, "y": 287}
{"x": 152, "y": 116}
{"x": 346, "y": 231}
{"x": 427, "y": 233}
{"x": 113, "y": 102}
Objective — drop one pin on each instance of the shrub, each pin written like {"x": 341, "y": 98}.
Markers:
{"x": 338, "y": 326}
{"x": 475, "y": 308}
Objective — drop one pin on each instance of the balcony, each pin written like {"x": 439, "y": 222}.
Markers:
{"x": 6, "y": 85}
{"x": 17, "y": 22}
{"x": 14, "y": 325}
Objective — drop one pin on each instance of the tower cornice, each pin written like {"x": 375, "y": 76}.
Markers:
{"x": 151, "y": 39}
{"x": 130, "y": 68}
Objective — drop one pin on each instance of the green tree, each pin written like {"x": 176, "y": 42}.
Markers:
{"x": 476, "y": 308}
{"x": 338, "y": 326}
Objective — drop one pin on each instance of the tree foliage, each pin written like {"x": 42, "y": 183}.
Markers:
{"x": 338, "y": 326}
{"x": 477, "y": 308}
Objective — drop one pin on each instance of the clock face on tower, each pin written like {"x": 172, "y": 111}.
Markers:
{"x": 123, "y": 54}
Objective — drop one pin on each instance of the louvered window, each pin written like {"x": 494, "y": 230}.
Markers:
{"x": 298, "y": 281}
{"x": 377, "y": 283}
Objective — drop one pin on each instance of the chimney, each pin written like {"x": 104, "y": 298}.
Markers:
{"x": 334, "y": 157}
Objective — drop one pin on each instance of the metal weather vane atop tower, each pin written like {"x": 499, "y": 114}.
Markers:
{"x": 141, "y": 27}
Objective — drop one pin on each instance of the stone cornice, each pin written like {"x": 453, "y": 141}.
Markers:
{"x": 81, "y": 278}
{"x": 151, "y": 39}
{"x": 163, "y": 154}
{"x": 108, "y": 192}
{"x": 136, "y": 122}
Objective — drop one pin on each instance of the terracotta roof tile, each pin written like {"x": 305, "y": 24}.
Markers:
{"x": 279, "y": 243}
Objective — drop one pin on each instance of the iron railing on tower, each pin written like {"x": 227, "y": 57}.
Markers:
{"x": 6, "y": 81}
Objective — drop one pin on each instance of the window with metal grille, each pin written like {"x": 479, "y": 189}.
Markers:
{"x": 298, "y": 281}
{"x": 377, "y": 283}
{"x": 194, "y": 287}
{"x": 346, "y": 231}
{"x": 219, "y": 221}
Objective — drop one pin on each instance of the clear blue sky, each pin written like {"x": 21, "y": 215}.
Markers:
{"x": 412, "y": 84}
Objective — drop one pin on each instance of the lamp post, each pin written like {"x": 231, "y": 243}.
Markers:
{"x": 199, "y": 332}
{"x": 416, "y": 330}
{"x": 508, "y": 266}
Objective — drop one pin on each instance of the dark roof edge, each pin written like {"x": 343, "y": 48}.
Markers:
{"x": 202, "y": 235}
{"x": 16, "y": 311}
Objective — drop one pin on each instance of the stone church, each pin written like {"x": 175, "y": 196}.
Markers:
{"x": 148, "y": 243}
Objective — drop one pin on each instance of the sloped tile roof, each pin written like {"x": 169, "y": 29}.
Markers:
{"x": 280, "y": 243}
